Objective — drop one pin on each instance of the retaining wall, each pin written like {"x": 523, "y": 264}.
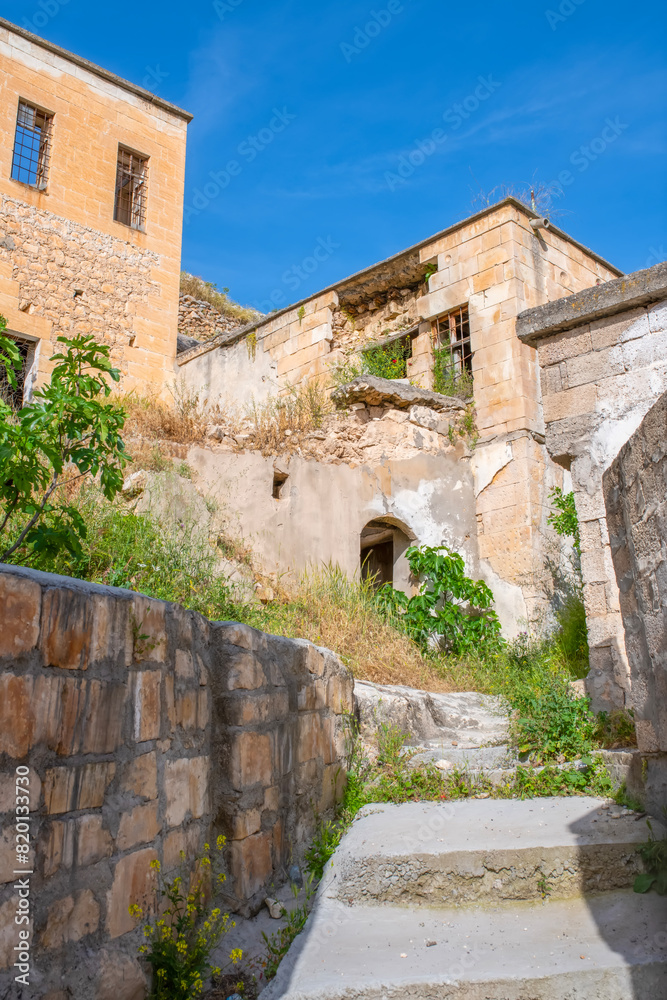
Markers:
{"x": 146, "y": 730}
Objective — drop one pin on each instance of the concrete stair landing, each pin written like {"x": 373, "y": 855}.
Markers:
{"x": 483, "y": 900}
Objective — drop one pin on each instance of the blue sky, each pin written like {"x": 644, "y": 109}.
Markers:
{"x": 322, "y": 106}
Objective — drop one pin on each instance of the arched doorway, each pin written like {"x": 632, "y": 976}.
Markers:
{"x": 383, "y": 543}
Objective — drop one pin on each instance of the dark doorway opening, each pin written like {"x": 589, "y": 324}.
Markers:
{"x": 377, "y": 554}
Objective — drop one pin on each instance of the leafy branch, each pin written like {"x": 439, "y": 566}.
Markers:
{"x": 67, "y": 432}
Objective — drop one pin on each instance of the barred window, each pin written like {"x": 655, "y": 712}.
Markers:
{"x": 131, "y": 189}
{"x": 32, "y": 146}
{"x": 453, "y": 335}
{"x": 14, "y": 395}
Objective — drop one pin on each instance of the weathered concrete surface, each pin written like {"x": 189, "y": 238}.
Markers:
{"x": 600, "y": 375}
{"x": 481, "y": 851}
{"x": 635, "y": 492}
{"x": 611, "y": 947}
{"x": 383, "y": 391}
{"x": 627, "y": 292}
{"x": 467, "y": 719}
{"x": 505, "y": 945}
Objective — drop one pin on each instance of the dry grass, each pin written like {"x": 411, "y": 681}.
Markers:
{"x": 206, "y": 291}
{"x": 183, "y": 421}
{"x": 299, "y": 411}
{"x": 333, "y": 611}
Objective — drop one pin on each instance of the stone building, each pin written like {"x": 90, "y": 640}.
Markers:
{"x": 456, "y": 295}
{"x": 91, "y": 205}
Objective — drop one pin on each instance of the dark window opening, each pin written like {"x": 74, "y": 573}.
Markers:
{"x": 32, "y": 146}
{"x": 131, "y": 189}
{"x": 453, "y": 352}
{"x": 14, "y": 395}
{"x": 279, "y": 480}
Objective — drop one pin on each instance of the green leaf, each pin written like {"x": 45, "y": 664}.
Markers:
{"x": 643, "y": 883}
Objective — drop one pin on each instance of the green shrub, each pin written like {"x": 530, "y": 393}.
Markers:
{"x": 572, "y": 634}
{"x": 450, "y": 607}
{"x": 446, "y": 379}
{"x": 553, "y": 723}
{"x": 387, "y": 362}
{"x": 66, "y": 433}
{"x": 563, "y": 519}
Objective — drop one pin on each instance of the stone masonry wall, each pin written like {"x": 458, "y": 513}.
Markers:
{"x": 202, "y": 320}
{"x": 146, "y": 730}
{"x": 50, "y": 257}
{"x": 603, "y": 361}
{"x": 635, "y": 493}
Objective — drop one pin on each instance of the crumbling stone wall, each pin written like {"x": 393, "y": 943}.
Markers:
{"x": 635, "y": 494}
{"x": 146, "y": 730}
{"x": 603, "y": 361}
{"x": 202, "y": 320}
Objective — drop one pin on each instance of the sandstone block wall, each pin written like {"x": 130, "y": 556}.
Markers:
{"x": 602, "y": 360}
{"x": 500, "y": 266}
{"x": 635, "y": 495}
{"x": 147, "y": 730}
{"x": 64, "y": 238}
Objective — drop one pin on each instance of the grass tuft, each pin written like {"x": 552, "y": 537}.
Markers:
{"x": 207, "y": 291}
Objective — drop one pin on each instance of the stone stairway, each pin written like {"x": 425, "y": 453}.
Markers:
{"x": 483, "y": 900}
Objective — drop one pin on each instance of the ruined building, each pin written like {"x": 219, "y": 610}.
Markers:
{"x": 91, "y": 189}
{"x": 404, "y": 472}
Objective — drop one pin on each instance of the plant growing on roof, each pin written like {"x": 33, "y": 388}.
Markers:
{"x": 66, "y": 433}
{"x": 450, "y": 609}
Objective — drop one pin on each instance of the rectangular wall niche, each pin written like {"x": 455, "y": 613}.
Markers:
{"x": 279, "y": 480}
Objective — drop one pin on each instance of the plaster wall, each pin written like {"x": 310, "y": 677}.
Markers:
{"x": 325, "y": 506}
{"x": 65, "y": 237}
{"x": 232, "y": 378}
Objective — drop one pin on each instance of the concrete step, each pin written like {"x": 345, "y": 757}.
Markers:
{"x": 607, "y": 947}
{"x": 487, "y": 850}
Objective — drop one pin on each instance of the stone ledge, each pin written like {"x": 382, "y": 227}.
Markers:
{"x": 387, "y": 392}
{"x": 621, "y": 294}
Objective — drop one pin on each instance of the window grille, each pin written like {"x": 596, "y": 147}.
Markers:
{"x": 14, "y": 395}
{"x": 32, "y": 146}
{"x": 131, "y": 189}
{"x": 453, "y": 335}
